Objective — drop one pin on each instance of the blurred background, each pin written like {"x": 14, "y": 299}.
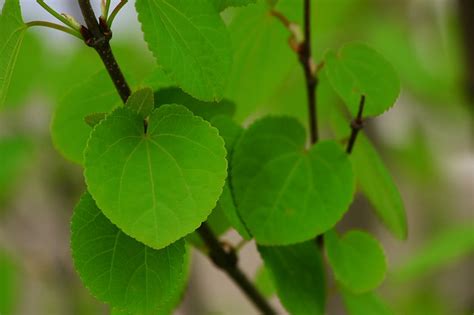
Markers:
{"x": 427, "y": 141}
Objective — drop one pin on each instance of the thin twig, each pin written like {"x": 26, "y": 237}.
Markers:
{"x": 56, "y": 27}
{"x": 58, "y": 16}
{"x": 356, "y": 125}
{"x": 111, "y": 18}
{"x": 227, "y": 262}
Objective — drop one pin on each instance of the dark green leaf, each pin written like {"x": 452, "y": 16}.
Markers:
{"x": 365, "y": 304}
{"x": 93, "y": 119}
{"x": 141, "y": 102}
{"x": 9, "y": 284}
{"x": 222, "y": 4}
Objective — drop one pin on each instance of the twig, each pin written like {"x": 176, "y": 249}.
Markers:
{"x": 58, "y": 16}
{"x": 56, "y": 27}
{"x": 356, "y": 125}
{"x": 111, "y": 18}
{"x": 227, "y": 262}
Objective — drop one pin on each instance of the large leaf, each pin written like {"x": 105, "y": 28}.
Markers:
{"x": 68, "y": 129}
{"x": 298, "y": 274}
{"x": 160, "y": 185}
{"x": 357, "y": 259}
{"x": 284, "y": 193}
{"x": 9, "y": 284}
{"x": 378, "y": 186}
{"x": 365, "y": 304}
{"x": 119, "y": 270}
{"x": 222, "y": 4}
{"x": 190, "y": 42}
{"x": 12, "y": 32}
{"x": 359, "y": 70}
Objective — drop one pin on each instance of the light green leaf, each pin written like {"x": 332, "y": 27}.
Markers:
{"x": 223, "y": 4}
{"x": 359, "y": 70}
{"x": 159, "y": 186}
{"x": 141, "y": 102}
{"x": 230, "y": 132}
{"x": 119, "y": 270}
{"x": 12, "y": 32}
{"x": 9, "y": 284}
{"x": 365, "y": 304}
{"x": 446, "y": 247}
{"x": 298, "y": 274}
{"x": 378, "y": 186}
{"x": 97, "y": 94}
{"x": 284, "y": 193}
{"x": 264, "y": 282}
{"x": 93, "y": 119}
{"x": 357, "y": 259}
{"x": 190, "y": 42}
{"x": 207, "y": 110}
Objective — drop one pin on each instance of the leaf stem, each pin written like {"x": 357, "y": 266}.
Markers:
{"x": 56, "y": 27}
{"x": 58, "y": 16}
{"x": 111, "y": 18}
{"x": 227, "y": 262}
{"x": 356, "y": 125}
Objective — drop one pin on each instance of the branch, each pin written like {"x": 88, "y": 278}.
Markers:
{"x": 356, "y": 125}
{"x": 227, "y": 262}
{"x": 98, "y": 35}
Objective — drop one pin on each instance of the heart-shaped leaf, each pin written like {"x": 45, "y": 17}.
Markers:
{"x": 11, "y": 36}
{"x": 357, "y": 259}
{"x": 119, "y": 270}
{"x": 359, "y": 70}
{"x": 284, "y": 193}
{"x": 191, "y": 43}
{"x": 141, "y": 102}
{"x": 160, "y": 185}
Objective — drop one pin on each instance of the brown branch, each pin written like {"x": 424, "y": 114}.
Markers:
{"x": 227, "y": 262}
{"x": 356, "y": 126}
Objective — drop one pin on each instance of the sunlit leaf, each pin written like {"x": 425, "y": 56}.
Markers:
{"x": 160, "y": 185}
{"x": 190, "y": 42}
{"x": 284, "y": 193}
{"x": 119, "y": 270}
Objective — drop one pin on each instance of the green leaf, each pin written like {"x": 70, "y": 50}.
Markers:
{"x": 264, "y": 282}
{"x": 119, "y": 270}
{"x": 190, "y": 42}
{"x": 223, "y": 4}
{"x": 207, "y": 110}
{"x": 365, "y": 304}
{"x": 141, "y": 102}
{"x": 9, "y": 284}
{"x": 359, "y": 70}
{"x": 15, "y": 153}
{"x": 217, "y": 222}
{"x": 298, "y": 274}
{"x": 284, "y": 193}
{"x": 357, "y": 259}
{"x": 11, "y": 36}
{"x": 97, "y": 94}
{"x": 93, "y": 119}
{"x": 230, "y": 132}
{"x": 378, "y": 186}
{"x": 443, "y": 249}
{"x": 159, "y": 186}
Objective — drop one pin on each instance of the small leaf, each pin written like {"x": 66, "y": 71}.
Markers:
{"x": 93, "y": 119}
{"x": 365, "y": 304}
{"x": 191, "y": 43}
{"x": 206, "y": 110}
{"x": 11, "y": 37}
{"x": 9, "y": 284}
{"x": 298, "y": 274}
{"x": 357, "y": 259}
{"x": 141, "y": 102}
{"x": 157, "y": 186}
{"x": 119, "y": 270}
{"x": 284, "y": 193}
{"x": 359, "y": 70}
{"x": 223, "y": 4}
{"x": 264, "y": 282}
{"x": 96, "y": 94}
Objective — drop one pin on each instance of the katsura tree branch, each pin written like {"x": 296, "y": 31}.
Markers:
{"x": 97, "y": 35}
{"x": 356, "y": 126}
{"x": 227, "y": 262}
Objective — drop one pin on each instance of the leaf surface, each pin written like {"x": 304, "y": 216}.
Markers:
{"x": 157, "y": 186}
{"x": 284, "y": 193}
{"x": 119, "y": 270}
{"x": 357, "y": 259}
{"x": 358, "y": 70}
{"x": 191, "y": 43}
{"x": 365, "y": 304}
{"x": 141, "y": 102}
{"x": 11, "y": 37}
{"x": 298, "y": 274}
{"x": 223, "y": 4}
{"x": 9, "y": 284}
